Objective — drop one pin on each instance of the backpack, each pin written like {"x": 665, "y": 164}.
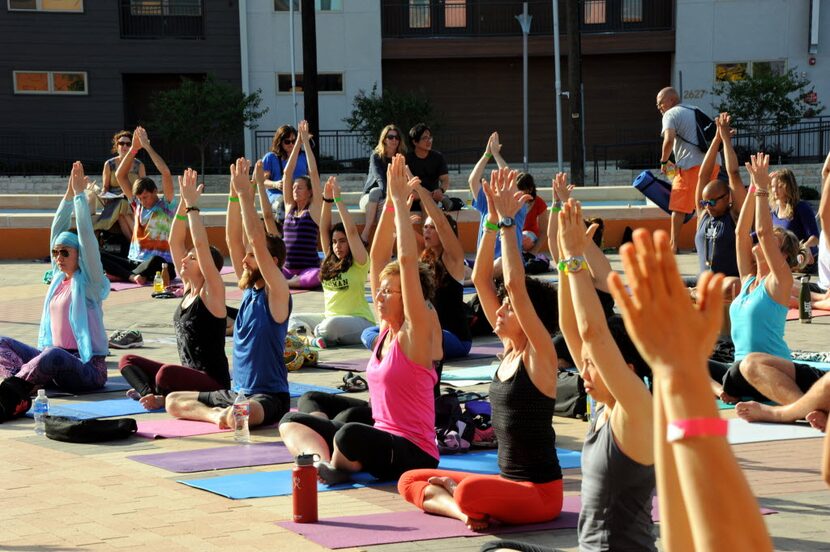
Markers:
{"x": 705, "y": 129}
{"x": 15, "y": 399}
{"x": 454, "y": 428}
{"x": 571, "y": 398}
{"x": 479, "y": 325}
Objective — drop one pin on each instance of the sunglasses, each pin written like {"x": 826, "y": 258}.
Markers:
{"x": 711, "y": 202}
{"x": 125, "y": 143}
{"x": 62, "y": 252}
{"x": 392, "y": 137}
{"x": 289, "y": 141}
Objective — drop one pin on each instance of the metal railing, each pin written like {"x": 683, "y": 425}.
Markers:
{"x": 162, "y": 19}
{"x": 341, "y": 151}
{"x": 430, "y": 18}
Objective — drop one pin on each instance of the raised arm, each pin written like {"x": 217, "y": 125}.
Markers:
{"x": 316, "y": 189}
{"x": 485, "y": 256}
{"x": 508, "y": 200}
{"x": 178, "y": 232}
{"x": 325, "y": 218}
{"x": 560, "y": 192}
{"x": 730, "y": 159}
{"x": 126, "y": 164}
{"x": 275, "y": 282}
{"x": 631, "y": 418}
{"x": 288, "y": 175}
{"x": 780, "y": 281}
{"x": 706, "y": 171}
{"x": 678, "y": 359}
{"x": 213, "y": 292}
{"x": 381, "y": 250}
{"x": 264, "y": 204}
{"x": 417, "y": 331}
{"x": 474, "y": 180}
{"x": 161, "y": 166}
{"x": 743, "y": 234}
{"x": 356, "y": 246}
{"x": 98, "y": 286}
{"x": 234, "y": 235}
{"x": 453, "y": 255}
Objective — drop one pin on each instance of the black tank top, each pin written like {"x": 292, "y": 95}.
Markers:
{"x": 449, "y": 302}
{"x": 200, "y": 338}
{"x": 523, "y": 423}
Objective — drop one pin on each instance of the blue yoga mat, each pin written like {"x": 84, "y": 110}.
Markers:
{"x": 486, "y": 461}
{"x": 820, "y": 365}
{"x": 114, "y": 383}
{"x": 484, "y": 372}
{"x": 97, "y": 409}
{"x": 263, "y": 484}
{"x": 297, "y": 389}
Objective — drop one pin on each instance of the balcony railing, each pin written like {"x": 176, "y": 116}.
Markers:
{"x": 162, "y": 19}
{"x": 430, "y": 18}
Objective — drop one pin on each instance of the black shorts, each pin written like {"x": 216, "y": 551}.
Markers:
{"x": 736, "y": 385}
{"x": 274, "y": 405}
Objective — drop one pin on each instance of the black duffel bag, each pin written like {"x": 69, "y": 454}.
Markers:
{"x": 70, "y": 430}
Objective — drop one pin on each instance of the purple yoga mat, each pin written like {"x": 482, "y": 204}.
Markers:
{"x": 120, "y": 286}
{"x": 169, "y": 428}
{"x": 487, "y": 349}
{"x": 354, "y": 365}
{"x": 413, "y": 525}
{"x": 220, "y": 458}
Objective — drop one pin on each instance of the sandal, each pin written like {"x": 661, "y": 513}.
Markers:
{"x": 353, "y": 383}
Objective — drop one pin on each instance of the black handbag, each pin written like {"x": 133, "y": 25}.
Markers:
{"x": 571, "y": 398}
{"x": 70, "y": 430}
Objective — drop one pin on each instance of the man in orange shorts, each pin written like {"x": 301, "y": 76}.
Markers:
{"x": 679, "y": 130}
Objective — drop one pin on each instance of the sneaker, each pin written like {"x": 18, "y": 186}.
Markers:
{"x": 126, "y": 339}
{"x": 318, "y": 342}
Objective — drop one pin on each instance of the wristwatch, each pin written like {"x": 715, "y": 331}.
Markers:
{"x": 506, "y": 222}
{"x": 572, "y": 264}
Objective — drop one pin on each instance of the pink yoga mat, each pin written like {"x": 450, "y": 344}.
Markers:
{"x": 793, "y": 313}
{"x": 121, "y": 286}
{"x": 171, "y": 428}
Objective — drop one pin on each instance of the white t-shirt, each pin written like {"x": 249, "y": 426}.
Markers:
{"x": 823, "y": 261}
{"x": 682, "y": 119}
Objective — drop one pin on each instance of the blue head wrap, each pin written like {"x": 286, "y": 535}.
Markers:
{"x": 68, "y": 238}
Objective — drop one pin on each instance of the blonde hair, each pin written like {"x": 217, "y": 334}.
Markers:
{"x": 794, "y": 253}
{"x": 786, "y": 208}
{"x": 380, "y": 149}
{"x": 424, "y": 274}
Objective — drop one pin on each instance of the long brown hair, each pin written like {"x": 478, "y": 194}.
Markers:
{"x": 331, "y": 266}
{"x": 281, "y": 134}
{"x": 786, "y": 208}
{"x": 434, "y": 260}
{"x": 380, "y": 149}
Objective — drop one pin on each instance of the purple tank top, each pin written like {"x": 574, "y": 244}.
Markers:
{"x": 300, "y": 234}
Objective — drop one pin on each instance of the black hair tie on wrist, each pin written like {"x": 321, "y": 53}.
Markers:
{"x": 188, "y": 209}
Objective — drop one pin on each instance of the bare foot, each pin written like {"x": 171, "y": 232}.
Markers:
{"x": 817, "y": 419}
{"x": 752, "y": 411}
{"x": 223, "y": 417}
{"x": 330, "y": 475}
{"x": 446, "y": 482}
{"x": 152, "y": 402}
{"x": 727, "y": 398}
{"x": 138, "y": 279}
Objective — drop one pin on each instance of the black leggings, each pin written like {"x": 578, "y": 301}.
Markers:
{"x": 336, "y": 407}
{"x": 382, "y": 454}
{"x": 121, "y": 268}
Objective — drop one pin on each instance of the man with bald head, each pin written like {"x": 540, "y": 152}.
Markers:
{"x": 679, "y": 130}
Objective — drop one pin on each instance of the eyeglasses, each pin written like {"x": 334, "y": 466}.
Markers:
{"x": 392, "y": 137}
{"x": 62, "y": 252}
{"x": 289, "y": 141}
{"x": 427, "y": 138}
{"x": 711, "y": 202}
{"x": 386, "y": 292}
{"x": 125, "y": 143}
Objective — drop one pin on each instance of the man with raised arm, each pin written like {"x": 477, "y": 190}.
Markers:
{"x": 259, "y": 332}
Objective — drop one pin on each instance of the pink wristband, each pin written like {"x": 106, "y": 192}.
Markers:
{"x": 752, "y": 188}
{"x": 679, "y": 430}
{"x": 390, "y": 208}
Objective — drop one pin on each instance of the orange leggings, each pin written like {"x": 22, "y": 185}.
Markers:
{"x": 480, "y": 496}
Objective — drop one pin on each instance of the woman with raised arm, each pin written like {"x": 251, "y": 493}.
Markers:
{"x": 346, "y": 313}
{"x": 400, "y": 373}
{"x": 763, "y": 367}
{"x": 72, "y": 345}
{"x": 690, "y": 438}
{"x": 522, "y": 394}
{"x": 390, "y": 143}
{"x": 199, "y": 320}
{"x": 276, "y": 161}
{"x": 444, "y": 255}
{"x": 618, "y": 455}
{"x": 303, "y": 208}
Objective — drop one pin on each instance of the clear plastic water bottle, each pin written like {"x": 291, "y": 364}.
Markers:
{"x": 241, "y": 411}
{"x": 41, "y": 410}
{"x": 158, "y": 283}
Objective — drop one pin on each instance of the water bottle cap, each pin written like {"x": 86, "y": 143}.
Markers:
{"x": 41, "y": 393}
{"x": 307, "y": 459}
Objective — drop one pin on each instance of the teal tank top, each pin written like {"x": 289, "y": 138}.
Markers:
{"x": 758, "y": 323}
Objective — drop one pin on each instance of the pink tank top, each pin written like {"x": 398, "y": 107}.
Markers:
{"x": 401, "y": 395}
{"x": 62, "y": 335}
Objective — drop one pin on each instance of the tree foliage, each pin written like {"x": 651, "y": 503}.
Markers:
{"x": 371, "y": 112}
{"x": 205, "y": 113}
{"x": 766, "y": 102}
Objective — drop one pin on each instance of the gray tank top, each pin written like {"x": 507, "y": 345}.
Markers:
{"x": 616, "y": 496}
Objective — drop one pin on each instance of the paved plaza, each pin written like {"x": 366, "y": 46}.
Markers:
{"x": 62, "y": 496}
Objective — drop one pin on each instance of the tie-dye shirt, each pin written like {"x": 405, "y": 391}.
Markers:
{"x": 151, "y": 230}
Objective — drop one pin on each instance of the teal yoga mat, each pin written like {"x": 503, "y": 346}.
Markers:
{"x": 97, "y": 409}
{"x": 820, "y": 365}
{"x": 273, "y": 483}
{"x": 297, "y": 389}
{"x": 482, "y": 372}
{"x": 486, "y": 461}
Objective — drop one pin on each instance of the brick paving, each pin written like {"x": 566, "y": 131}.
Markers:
{"x": 62, "y": 496}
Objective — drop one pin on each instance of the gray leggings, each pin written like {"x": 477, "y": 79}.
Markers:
{"x": 335, "y": 330}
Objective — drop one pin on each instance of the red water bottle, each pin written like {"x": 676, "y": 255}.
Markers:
{"x": 304, "y": 491}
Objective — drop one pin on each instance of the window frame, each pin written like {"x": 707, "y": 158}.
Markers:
{"x": 50, "y": 76}
{"x": 316, "y": 10}
{"x": 324, "y": 92}
{"x": 39, "y": 8}
{"x": 749, "y": 64}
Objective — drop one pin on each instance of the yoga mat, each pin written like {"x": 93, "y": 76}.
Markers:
{"x": 792, "y": 314}
{"x": 114, "y": 383}
{"x": 220, "y": 458}
{"x": 741, "y": 432}
{"x": 463, "y": 383}
{"x": 489, "y": 349}
{"x": 486, "y": 461}
{"x": 815, "y": 364}
{"x": 172, "y": 428}
{"x": 411, "y": 526}
{"x": 121, "y": 286}
{"x": 483, "y": 372}
{"x": 273, "y": 483}
{"x": 297, "y": 389}
{"x": 353, "y": 365}
{"x": 97, "y": 409}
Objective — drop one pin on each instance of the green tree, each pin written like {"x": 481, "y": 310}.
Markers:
{"x": 205, "y": 112}
{"x": 767, "y": 102}
{"x": 371, "y": 112}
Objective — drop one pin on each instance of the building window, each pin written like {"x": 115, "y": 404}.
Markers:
{"x": 419, "y": 14}
{"x": 178, "y": 8}
{"x": 731, "y": 71}
{"x": 594, "y": 12}
{"x": 326, "y": 82}
{"x": 741, "y": 70}
{"x": 455, "y": 13}
{"x": 73, "y": 6}
{"x": 772, "y": 68}
{"x": 632, "y": 11}
{"x": 50, "y": 82}
{"x": 319, "y": 5}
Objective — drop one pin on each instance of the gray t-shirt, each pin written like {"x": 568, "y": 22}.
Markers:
{"x": 681, "y": 118}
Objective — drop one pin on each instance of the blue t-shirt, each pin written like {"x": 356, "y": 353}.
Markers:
{"x": 715, "y": 244}
{"x": 758, "y": 323}
{"x": 480, "y": 204}
{"x": 803, "y": 224}
{"x": 258, "y": 347}
{"x": 276, "y": 167}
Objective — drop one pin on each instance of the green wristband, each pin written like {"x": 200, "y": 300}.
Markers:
{"x": 180, "y": 217}
{"x": 488, "y": 155}
{"x": 233, "y": 199}
{"x": 490, "y": 226}
{"x": 336, "y": 199}
{"x": 555, "y": 208}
